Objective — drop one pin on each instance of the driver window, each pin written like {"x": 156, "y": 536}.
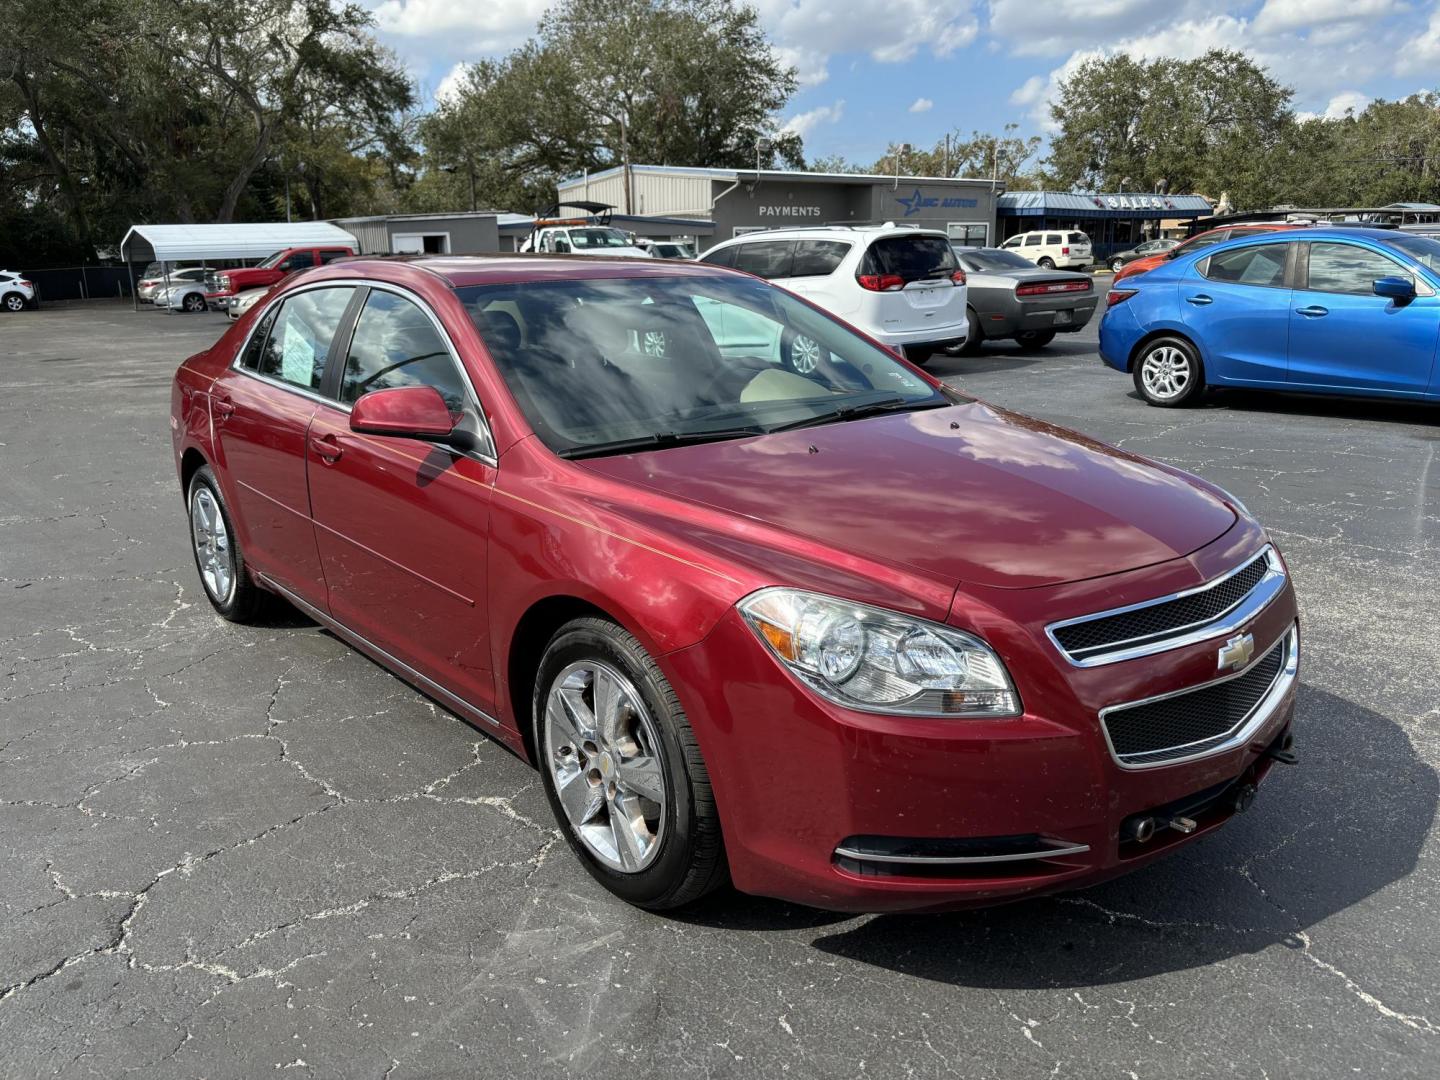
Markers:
{"x": 396, "y": 344}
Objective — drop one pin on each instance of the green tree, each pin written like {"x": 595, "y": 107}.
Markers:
{"x": 1003, "y": 156}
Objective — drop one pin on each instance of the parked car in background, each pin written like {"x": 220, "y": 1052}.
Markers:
{"x": 580, "y": 239}
{"x": 1202, "y": 240}
{"x": 902, "y": 286}
{"x": 271, "y": 270}
{"x": 1158, "y": 246}
{"x": 1063, "y": 249}
{"x": 914, "y": 651}
{"x": 243, "y": 302}
{"x": 16, "y": 293}
{"x": 667, "y": 249}
{"x": 1323, "y": 310}
{"x": 155, "y": 278}
{"x": 185, "y": 295}
{"x": 1010, "y": 297}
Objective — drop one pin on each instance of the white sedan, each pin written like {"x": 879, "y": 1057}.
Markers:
{"x": 245, "y": 301}
{"x": 16, "y": 294}
{"x": 184, "y": 296}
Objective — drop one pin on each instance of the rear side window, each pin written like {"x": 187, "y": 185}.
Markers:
{"x": 327, "y": 257}
{"x": 766, "y": 259}
{"x": 1053, "y": 238}
{"x": 1263, "y": 265}
{"x": 1348, "y": 268}
{"x": 298, "y": 261}
{"x": 720, "y": 257}
{"x": 255, "y": 347}
{"x": 817, "y": 258}
{"x": 912, "y": 257}
{"x": 396, "y": 344}
{"x": 300, "y": 337}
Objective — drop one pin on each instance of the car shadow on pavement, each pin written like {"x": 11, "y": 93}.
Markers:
{"x": 1323, "y": 836}
{"x": 1279, "y": 403}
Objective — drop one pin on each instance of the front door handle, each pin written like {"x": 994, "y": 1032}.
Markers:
{"x": 327, "y": 449}
{"x": 1314, "y": 311}
{"x": 1199, "y": 300}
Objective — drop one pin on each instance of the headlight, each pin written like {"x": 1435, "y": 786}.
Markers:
{"x": 875, "y": 660}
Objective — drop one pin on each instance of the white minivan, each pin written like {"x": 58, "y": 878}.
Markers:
{"x": 902, "y": 286}
{"x": 1054, "y": 249}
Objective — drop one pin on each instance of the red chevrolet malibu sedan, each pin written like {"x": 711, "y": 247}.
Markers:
{"x": 847, "y": 636}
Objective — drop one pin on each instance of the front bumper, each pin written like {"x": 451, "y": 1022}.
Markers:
{"x": 804, "y": 787}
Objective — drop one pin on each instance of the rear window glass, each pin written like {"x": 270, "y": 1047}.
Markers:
{"x": 912, "y": 257}
{"x": 1078, "y": 238}
{"x": 994, "y": 259}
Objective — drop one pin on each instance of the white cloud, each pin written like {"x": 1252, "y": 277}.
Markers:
{"x": 819, "y": 29}
{"x": 1346, "y": 101}
{"x": 1030, "y": 91}
{"x": 923, "y": 104}
{"x": 803, "y": 123}
{"x": 449, "y": 87}
{"x": 1065, "y": 26}
{"x": 1423, "y": 53}
{"x": 485, "y": 27}
{"x": 1284, "y": 16}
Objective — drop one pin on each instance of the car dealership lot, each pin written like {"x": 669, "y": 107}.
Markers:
{"x": 231, "y": 850}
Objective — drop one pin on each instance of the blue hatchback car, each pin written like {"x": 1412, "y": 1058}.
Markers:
{"x": 1336, "y": 311}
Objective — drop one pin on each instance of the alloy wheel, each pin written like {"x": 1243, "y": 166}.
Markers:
{"x": 193, "y": 302}
{"x": 602, "y": 750}
{"x": 1166, "y": 373}
{"x": 1117, "y": 266}
{"x": 15, "y": 302}
{"x": 654, "y": 343}
{"x": 804, "y": 354}
{"x": 213, "y": 553}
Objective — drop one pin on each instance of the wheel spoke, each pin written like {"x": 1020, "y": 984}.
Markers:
{"x": 641, "y": 775}
{"x": 608, "y": 699}
{"x": 562, "y": 723}
{"x": 581, "y": 799}
{"x": 579, "y": 714}
{"x": 632, "y": 837}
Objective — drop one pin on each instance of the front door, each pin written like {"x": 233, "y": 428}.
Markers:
{"x": 1344, "y": 337}
{"x": 403, "y": 524}
{"x": 262, "y": 411}
{"x": 1237, "y": 303}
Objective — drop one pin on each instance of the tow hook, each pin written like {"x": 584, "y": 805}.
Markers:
{"x": 1242, "y": 797}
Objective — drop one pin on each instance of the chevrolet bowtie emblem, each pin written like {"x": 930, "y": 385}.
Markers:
{"x": 1236, "y": 652}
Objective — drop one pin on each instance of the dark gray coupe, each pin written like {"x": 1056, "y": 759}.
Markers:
{"x": 1010, "y": 297}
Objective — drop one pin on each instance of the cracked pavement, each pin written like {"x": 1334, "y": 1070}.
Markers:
{"x": 236, "y": 851}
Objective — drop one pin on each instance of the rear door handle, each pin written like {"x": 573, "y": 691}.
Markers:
{"x": 327, "y": 449}
{"x": 1314, "y": 311}
{"x": 1199, "y": 300}
{"x": 224, "y": 409}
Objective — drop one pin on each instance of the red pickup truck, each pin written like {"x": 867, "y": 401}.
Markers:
{"x": 230, "y": 283}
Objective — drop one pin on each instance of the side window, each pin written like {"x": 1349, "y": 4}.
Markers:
{"x": 1348, "y": 268}
{"x": 1013, "y": 242}
{"x": 396, "y": 344}
{"x": 1262, "y": 265}
{"x": 1053, "y": 238}
{"x": 298, "y": 261}
{"x": 1033, "y": 240}
{"x": 255, "y": 348}
{"x": 765, "y": 258}
{"x": 722, "y": 257}
{"x": 300, "y": 337}
{"x": 818, "y": 258}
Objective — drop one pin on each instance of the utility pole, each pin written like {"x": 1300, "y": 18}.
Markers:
{"x": 947, "y": 153}
{"x": 625, "y": 160}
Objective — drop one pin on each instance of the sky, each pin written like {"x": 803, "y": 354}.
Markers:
{"x": 911, "y": 70}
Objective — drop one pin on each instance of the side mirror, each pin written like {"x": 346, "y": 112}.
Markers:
{"x": 403, "y": 412}
{"x": 1396, "y": 288}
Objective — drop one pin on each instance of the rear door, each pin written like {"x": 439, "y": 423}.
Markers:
{"x": 1237, "y": 306}
{"x": 1344, "y": 337}
{"x": 261, "y": 409}
{"x": 927, "y": 299}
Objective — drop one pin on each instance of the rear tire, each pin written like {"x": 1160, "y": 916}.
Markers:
{"x": 13, "y": 302}
{"x": 975, "y": 336}
{"x": 218, "y": 556}
{"x": 648, "y": 828}
{"x": 1169, "y": 374}
{"x": 1035, "y": 339}
{"x": 919, "y": 355}
{"x": 1116, "y": 265}
{"x": 801, "y": 353}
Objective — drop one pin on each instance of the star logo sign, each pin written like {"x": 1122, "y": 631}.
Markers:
{"x": 912, "y": 203}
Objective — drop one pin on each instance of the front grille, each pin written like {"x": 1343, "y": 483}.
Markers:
{"x": 1154, "y": 623}
{"x": 1191, "y": 723}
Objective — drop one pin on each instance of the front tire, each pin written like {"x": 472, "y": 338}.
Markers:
{"x": 1047, "y": 262}
{"x": 622, "y": 769}
{"x": 193, "y": 302}
{"x": 1169, "y": 374}
{"x": 218, "y": 556}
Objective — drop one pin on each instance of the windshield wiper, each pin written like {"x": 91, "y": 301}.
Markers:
{"x": 658, "y": 441}
{"x": 858, "y": 412}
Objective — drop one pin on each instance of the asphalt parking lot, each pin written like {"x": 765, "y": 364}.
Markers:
{"x": 235, "y": 852}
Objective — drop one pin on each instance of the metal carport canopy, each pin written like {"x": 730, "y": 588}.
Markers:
{"x": 239, "y": 240}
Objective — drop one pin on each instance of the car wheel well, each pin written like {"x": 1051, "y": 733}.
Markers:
{"x": 190, "y": 463}
{"x": 1144, "y": 343}
{"x": 527, "y": 647}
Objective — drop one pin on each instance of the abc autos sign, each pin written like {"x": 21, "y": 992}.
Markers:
{"x": 919, "y": 201}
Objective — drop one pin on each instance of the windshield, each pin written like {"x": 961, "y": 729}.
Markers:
{"x": 270, "y": 261}
{"x": 1423, "y": 249}
{"x": 612, "y": 361}
{"x": 993, "y": 259}
{"x": 598, "y": 238}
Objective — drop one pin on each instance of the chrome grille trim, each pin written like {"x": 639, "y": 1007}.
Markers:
{"x": 1061, "y": 847}
{"x": 1270, "y": 585}
{"x": 1224, "y": 742}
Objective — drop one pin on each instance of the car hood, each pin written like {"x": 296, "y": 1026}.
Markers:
{"x": 969, "y": 494}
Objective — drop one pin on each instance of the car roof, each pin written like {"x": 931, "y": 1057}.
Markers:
{"x": 1322, "y": 232}
{"x": 462, "y": 270}
{"x": 801, "y": 232}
